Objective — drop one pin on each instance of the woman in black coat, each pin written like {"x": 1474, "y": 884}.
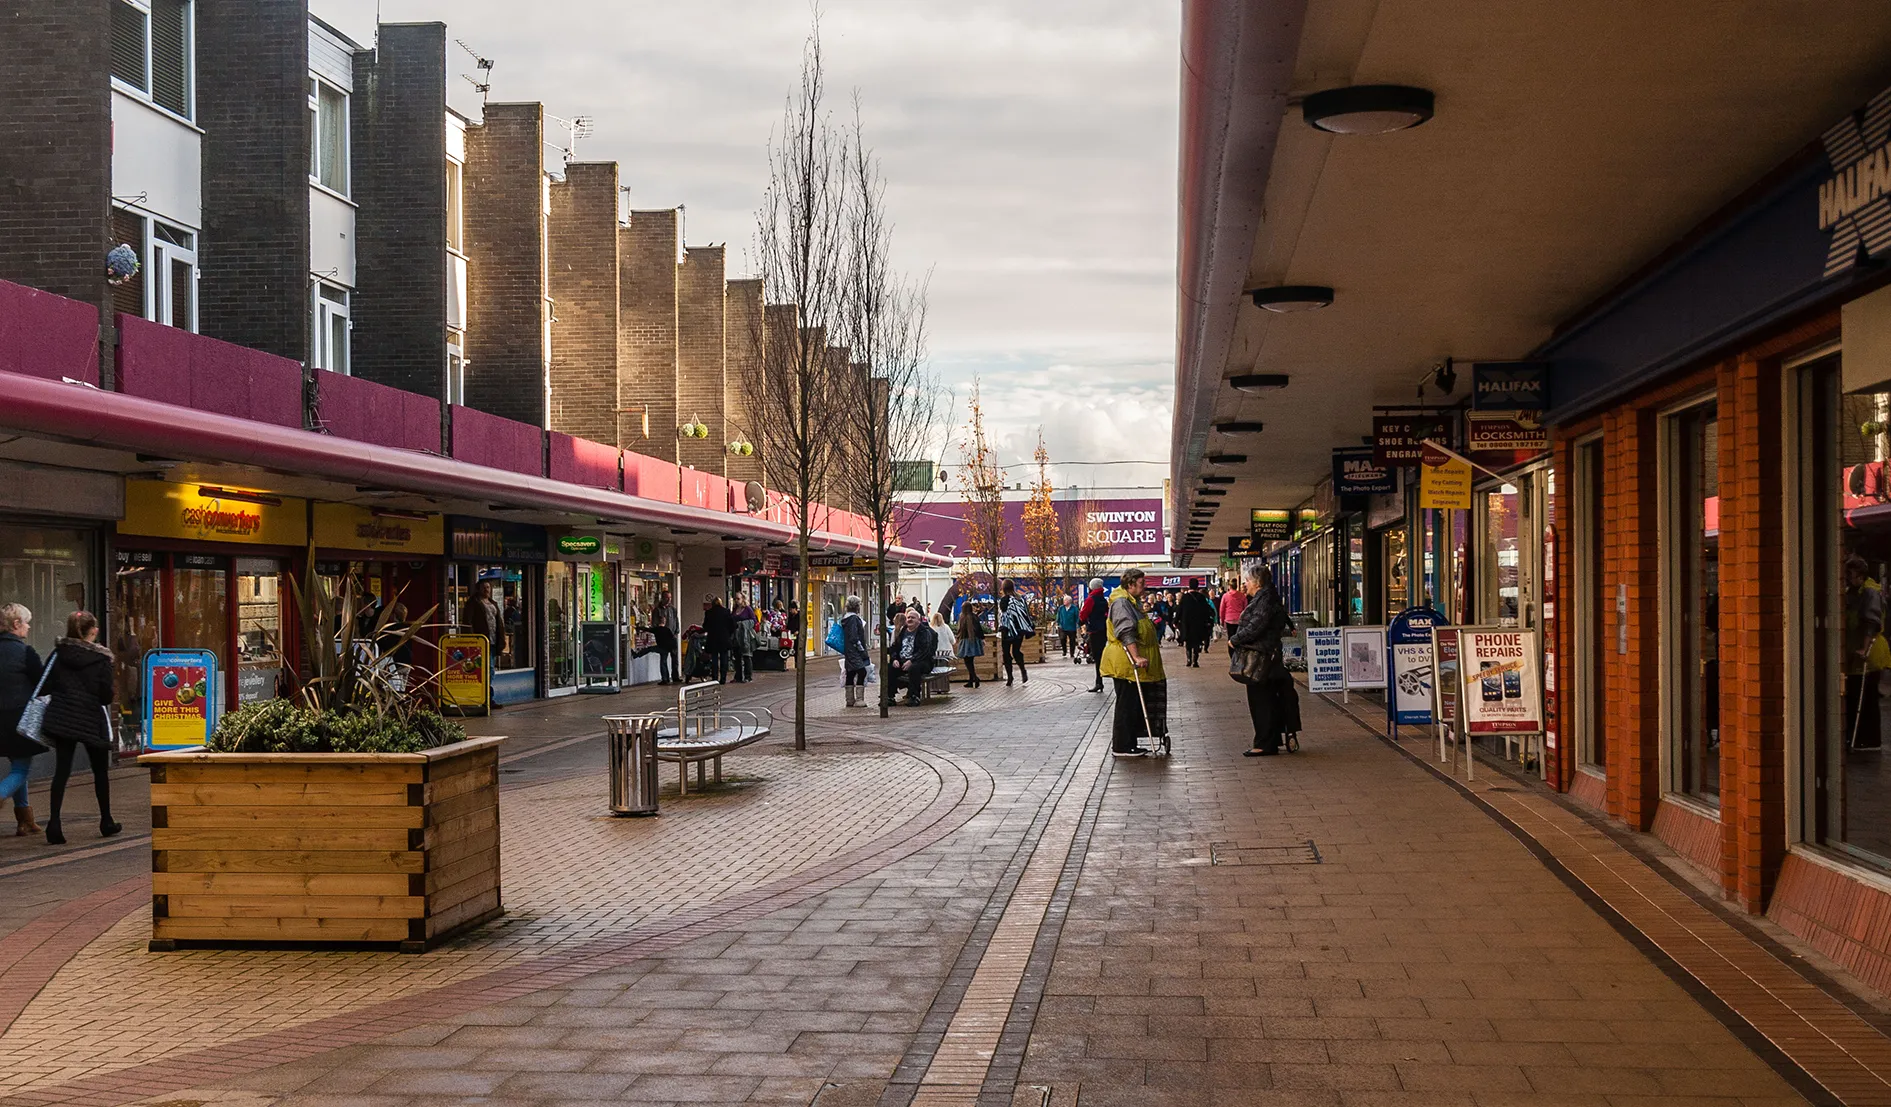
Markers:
{"x": 20, "y": 667}
{"x": 1197, "y": 614}
{"x": 80, "y": 685}
{"x": 1262, "y": 624}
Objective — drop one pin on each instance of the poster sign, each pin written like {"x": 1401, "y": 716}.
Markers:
{"x": 1444, "y": 652}
{"x": 207, "y": 513}
{"x": 1510, "y": 386}
{"x": 597, "y": 646}
{"x": 1502, "y": 692}
{"x": 1505, "y": 432}
{"x": 1358, "y": 472}
{"x": 1243, "y": 545}
{"x": 1550, "y": 713}
{"x": 1397, "y": 439}
{"x": 180, "y": 698}
{"x": 1362, "y": 657}
{"x": 1408, "y": 642}
{"x": 1266, "y": 524}
{"x": 1326, "y": 670}
{"x": 1444, "y": 480}
{"x": 466, "y": 672}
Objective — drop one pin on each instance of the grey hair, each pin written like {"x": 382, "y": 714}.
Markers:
{"x": 853, "y": 604}
{"x": 14, "y": 613}
{"x": 1260, "y": 575}
{"x": 1131, "y": 576}
{"x": 1096, "y": 582}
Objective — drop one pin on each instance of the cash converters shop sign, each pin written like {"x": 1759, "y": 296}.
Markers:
{"x": 204, "y": 513}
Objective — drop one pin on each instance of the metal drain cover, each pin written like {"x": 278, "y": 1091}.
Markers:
{"x": 1243, "y": 853}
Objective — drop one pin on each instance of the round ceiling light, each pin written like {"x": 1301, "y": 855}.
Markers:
{"x": 1217, "y": 480}
{"x": 1288, "y": 298}
{"x": 1367, "y": 109}
{"x": 1225, "y": 459}
{"x": 1258, "y": 382}
{"x": 1238, "y": 426}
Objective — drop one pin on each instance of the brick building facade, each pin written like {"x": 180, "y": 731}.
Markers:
{"x": 507, "y": 306}
{"x": 584, "y": 274}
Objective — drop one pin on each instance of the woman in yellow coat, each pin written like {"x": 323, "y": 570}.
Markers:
{"x": 1132, "y": 658}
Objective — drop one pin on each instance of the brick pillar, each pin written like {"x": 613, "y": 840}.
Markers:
{"x": 1632, "y": 558}
{"x": 56, "y": 148}
{"x": 584, "y": 272}
{"x": 507, "y": 316}
{"x": 253, "y": 106}
{"x": 646, "y": 336}
{"x": 398, "y": 129}
{"x": 1752, "y": 639}
{"x": 701, "y": 321}
{"x": 742, "y": 374}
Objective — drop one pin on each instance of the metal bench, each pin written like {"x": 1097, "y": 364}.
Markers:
{"x": 699, "y": 730}
{"x": 939, "y": 681}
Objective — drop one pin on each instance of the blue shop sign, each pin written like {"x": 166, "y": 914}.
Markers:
{"x": 1410, "y": 666}
{"x": 1510, "y": 385}
{"x": 1357, "y": 471}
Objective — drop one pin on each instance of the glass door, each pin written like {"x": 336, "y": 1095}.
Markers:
{"x": 136, "y": 628}
{"x": 561, "y": 632}
{"x": 1694, "y": 600}
{"x": 259, "y": 626}
{"x": 200, "y": 612}
{"x": 599, "y": 635}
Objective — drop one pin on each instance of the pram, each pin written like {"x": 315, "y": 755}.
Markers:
{"x": 696, "y": 662}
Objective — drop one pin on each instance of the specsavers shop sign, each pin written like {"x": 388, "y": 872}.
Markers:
{"x": 202, "y": 513}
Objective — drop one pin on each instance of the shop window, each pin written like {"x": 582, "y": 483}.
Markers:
{"x": 49, "y": 569}
{"x": 508, "y": 587}
{"x": 1397, "y": 572}
{"x": 1499, "y": 601}
{"x": 560, "y": 626}
{"x": 135, "y": 627}
{"x": 1843, "y": 547}
{"x": 259, "y": 626}
{"x": 1588, "y": 602}
{"x": 1355, "y": 613}
{"x": 1692, "y": 592}
{"x": 200, "y": 608}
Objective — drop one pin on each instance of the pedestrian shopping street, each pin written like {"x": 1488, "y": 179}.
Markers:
{"x": 964, "y": 906}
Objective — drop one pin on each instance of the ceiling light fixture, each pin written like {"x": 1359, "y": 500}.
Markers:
{"x": 1212, "y": 479}
{"x": 213, "y": 492}
{"x": 1258, "y": 382}
{"x": 1288, "y": 298}
{"x": 1367, "y": 109}
{"x": 1238, "y": 426}
{"x": 1211, "y": 491}
{"x": 1226, "y": 459}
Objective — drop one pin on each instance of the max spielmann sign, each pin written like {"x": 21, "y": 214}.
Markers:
{"x": 1357, "y": 472}
{"x": 1855, "y": 202}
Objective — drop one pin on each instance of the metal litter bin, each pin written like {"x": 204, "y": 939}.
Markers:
{"x": 633, "y": 763}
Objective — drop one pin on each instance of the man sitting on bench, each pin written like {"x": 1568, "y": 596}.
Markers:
{"x": 913, "y": 651}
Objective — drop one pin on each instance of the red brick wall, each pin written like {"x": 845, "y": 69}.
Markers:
{"x": 1842, "y": 917}
{"x": 647, "y": 329}
{"x": 506, "y": 313}
{"x": 583, "y": 264}
{"x": 1630, "y": 558}
{"x": 700, "y": 331}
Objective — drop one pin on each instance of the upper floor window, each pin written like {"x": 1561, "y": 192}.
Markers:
{"x": 152, "y": 52}
{"x": 329, "y": 335}
{"x": 165, "y": 289}
{"x": 328, "y": 152}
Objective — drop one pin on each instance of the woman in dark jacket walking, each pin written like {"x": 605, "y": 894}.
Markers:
{"x": 80, "y": 685}
{"x": 856, "y": 657}
{"x": 1262, "y": 624}
{"x": 20, "y": 668}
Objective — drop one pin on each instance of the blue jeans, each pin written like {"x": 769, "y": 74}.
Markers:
{"x": 13, "y": 785}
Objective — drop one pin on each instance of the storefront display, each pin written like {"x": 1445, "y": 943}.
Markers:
{"x": 53, "y": 570}
{"x": 1693, "y": 539}
{"x": 494, "y": 587}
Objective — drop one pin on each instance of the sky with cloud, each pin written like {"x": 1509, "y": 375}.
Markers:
{"x": 1029, "y": 147}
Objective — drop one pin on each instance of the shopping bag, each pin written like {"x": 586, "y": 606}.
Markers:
{"x": 836, "y": 640}
{"x": 33, "y": 718}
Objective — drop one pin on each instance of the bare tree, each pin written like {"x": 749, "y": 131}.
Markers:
{"x": 801, "y": 251}
{"x": 894, "y": 414}
{"x": 982, "y": 491}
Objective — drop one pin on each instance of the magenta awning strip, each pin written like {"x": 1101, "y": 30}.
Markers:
{"x": 90, "y": 416}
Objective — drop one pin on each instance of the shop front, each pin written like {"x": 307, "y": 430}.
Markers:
{"x": 586, "y": 618}
{"x": 495, "y": 582}
{"x": 200, "y": 567}
{"x": 391, "y": 562}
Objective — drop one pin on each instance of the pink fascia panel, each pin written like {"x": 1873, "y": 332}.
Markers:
{"x": 174, "y": 366}
{"x": 497, "y": 443}
{"x": 582, "y": 461}
{"x": 364, "y": 411}
{"x": 47, "y": 336}
{"x": 650, "y": 477}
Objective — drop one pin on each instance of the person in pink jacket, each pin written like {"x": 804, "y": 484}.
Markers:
{"x": 1233, "y": 603}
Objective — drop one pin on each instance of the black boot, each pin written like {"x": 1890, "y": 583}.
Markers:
{"x": 53, "y": 835}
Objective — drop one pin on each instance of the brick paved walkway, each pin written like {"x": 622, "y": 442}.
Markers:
{"x": 1337, "y": 926}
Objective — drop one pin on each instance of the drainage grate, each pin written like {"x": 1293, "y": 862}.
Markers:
{"x": 1242, "y": 853}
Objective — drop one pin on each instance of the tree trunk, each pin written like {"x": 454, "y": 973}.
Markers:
{"x": 886, "y": 646}
{"x": 801, "y": 636}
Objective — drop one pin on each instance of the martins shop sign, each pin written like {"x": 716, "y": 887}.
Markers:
{"x": 1855, "y": 201}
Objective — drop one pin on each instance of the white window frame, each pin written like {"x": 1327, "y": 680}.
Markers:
{"x": 159, "y": 254}
{"x": 316, "y": 85}
{"x": 147, "y": 95}
{"x": 325, "y": 310}
{"x": 456, "y": 367}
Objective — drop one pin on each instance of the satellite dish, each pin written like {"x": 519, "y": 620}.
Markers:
{"x": 756, "y": 495}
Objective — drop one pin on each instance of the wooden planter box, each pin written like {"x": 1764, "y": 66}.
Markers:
{"x": 323, "y": 847}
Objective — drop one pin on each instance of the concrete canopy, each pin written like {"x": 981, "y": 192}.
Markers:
{"x": 1572, "y": 143}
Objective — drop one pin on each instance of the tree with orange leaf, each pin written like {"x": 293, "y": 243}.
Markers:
{"x": 1041, "y": 525}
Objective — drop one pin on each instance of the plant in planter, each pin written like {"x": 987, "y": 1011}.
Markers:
{"x": 347, "y": 811}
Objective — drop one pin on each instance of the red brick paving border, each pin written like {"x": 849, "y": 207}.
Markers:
{"x": 967, "y": 788}
{"x": 31, "y": 955}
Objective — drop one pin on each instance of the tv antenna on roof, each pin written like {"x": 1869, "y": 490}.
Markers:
{"x": 483, "y": 82}
{"x": 575, "y": 129}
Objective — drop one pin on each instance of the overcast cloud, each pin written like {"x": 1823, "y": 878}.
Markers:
{"x": 1029, "y": 147}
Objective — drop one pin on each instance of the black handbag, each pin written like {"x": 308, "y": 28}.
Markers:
{"x": 1246, "y": 665}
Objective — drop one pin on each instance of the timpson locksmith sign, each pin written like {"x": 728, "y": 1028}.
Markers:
{"x": 206, "y": 513}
